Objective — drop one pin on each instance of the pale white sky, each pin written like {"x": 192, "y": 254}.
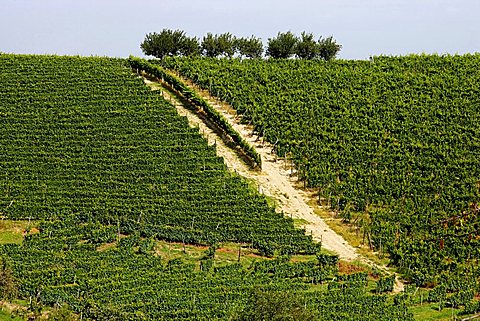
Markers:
{"x": 117, "y": 27}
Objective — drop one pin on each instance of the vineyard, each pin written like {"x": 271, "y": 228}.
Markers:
{"x": 84, "y": 137}
{"x": 391, "y": 144}
{"x": 64, "y": 265}
{"x": 106, "y": 169}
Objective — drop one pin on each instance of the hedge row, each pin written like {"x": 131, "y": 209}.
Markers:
{"x": 199, "y": 102}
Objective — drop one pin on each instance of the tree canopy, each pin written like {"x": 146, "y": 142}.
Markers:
{"x": 249, "y": 47}
{"x": 307, "y": 47}
{"x": 218, "y": 45}
{"x": 328, "y": 48}
{"x": 285, "y": 45}
{"x": 169, "y": 43}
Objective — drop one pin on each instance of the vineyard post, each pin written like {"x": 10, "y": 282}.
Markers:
{"x": 183, "y": 243}
{"x": 369, "y": 241}
{"x": 118, "y": 231}
{"x": 380, "y": 249}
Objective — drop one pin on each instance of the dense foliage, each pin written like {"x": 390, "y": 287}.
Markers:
{"x": 64, "y": 264}
{"x": 84, "y": 136}
{"x": 285, "y": 45}
{"x": 216, "y": 45}
{"x": 392, "y": 143}
{"x": 282, "y": 46}
{"x": 109, "y": 166}
{"x": 170, "y": 43}
{"x": 141, "y": 65}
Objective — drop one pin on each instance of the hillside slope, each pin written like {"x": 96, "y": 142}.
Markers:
{"x": 85, "y": 137}
{"x": 392, "y": 144}
{"x": 108, "y": 169}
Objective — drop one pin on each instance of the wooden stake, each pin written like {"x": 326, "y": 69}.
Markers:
{"x": 239, "y": 252}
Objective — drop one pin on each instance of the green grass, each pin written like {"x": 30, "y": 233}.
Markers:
{"x": 299, "y": 222}
{"x": 12, "y": 232}
{"x": 348, "y": 232}
{"x": 429, "y": 312}
{"x": 6, "y": 316}
{"x": 226, "y": 252}
{"x": 8, "y": 237}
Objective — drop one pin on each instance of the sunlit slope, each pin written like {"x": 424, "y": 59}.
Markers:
{"x": 84, "y": 137}
{"x": 128, "y": 279}
{"x": 106, "y": 168}
{"x": 393, "y": 142}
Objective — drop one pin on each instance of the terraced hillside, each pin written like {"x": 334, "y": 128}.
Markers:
{"x": 391, "y": 143}
{"x": 108, "y": 170}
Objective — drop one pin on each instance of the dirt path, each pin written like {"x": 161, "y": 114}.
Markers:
{"x": 274, "y": 180}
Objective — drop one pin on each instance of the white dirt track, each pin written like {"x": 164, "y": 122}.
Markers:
{"x": 274, "y": 180}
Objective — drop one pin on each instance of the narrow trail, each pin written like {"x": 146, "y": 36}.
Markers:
{"x": 276, "y": 178}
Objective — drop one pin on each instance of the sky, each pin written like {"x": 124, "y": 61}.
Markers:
{"x": 363, "y": 27}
